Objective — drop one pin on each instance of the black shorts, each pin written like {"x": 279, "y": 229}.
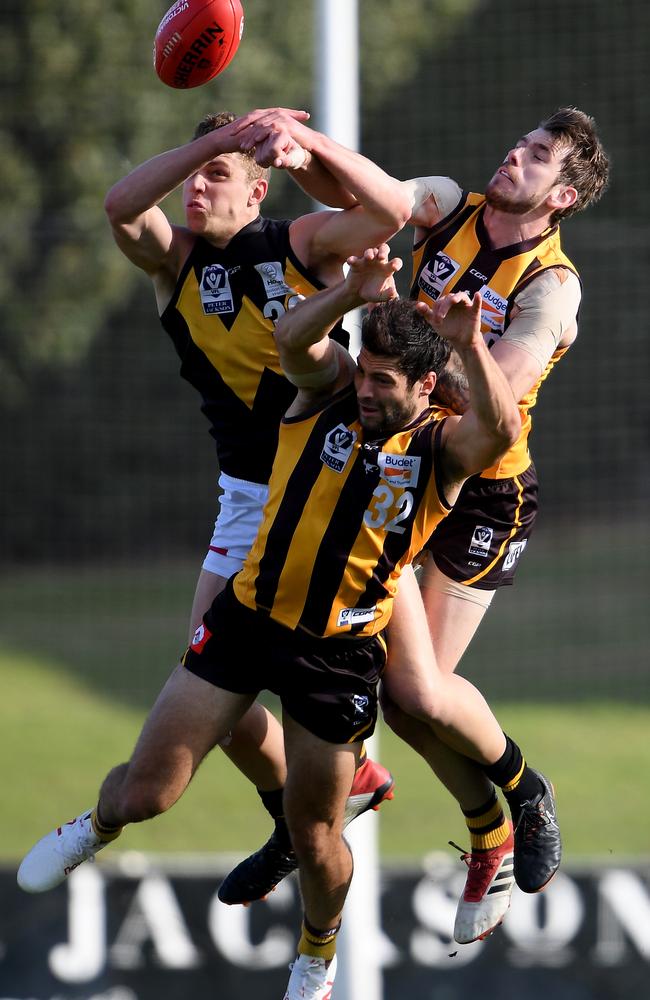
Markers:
{"x": 481, "y": 540}
{"x": 328, "y": 686}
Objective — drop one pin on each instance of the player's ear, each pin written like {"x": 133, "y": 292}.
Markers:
{"x": 429, "y": 383}
{"x": 258, "y": 191}
{"x": 561, "y": 197}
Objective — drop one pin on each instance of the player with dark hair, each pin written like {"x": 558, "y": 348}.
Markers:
{"x": 221, "y": 282}
{"x": 305, "y": 615}
{"x": 504, "y": 245}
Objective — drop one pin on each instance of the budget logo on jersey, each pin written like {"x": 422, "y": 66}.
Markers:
{"x": 493, "y": 311}
{"x": 436, "y": 274}
{"x": 355, "y": 616}
{"x": 481, "y": 541}
{"x": 272, "y": 275}
{"x": 399, "y": 470}
{"x": 215, "y": 290}
{"x": 338, "y": 447}
{"x": 514, "y": 552}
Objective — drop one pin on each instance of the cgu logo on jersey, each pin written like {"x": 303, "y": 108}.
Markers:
{"x": 399, "y": 470}
{"x": 436, "y": 274}
{"x": 493, "y": 311}
{"x": 338, "y": 447}
{"x": 355, "y": 616}
{"x": 215, "y": 290}
{"x": 272, "y": 275}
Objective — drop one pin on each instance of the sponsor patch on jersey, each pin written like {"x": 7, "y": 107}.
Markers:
{"x": 493, "y": 311}
{"x": 481, "y": 541}
{"x": 360, "y": 704}
{"x": 272, "y": 275}
{"x": 400, "y": 470}
{"x": 355, "y": 616}
{"x": 514, "y": 551}
{"x": 200, "y": 637}
{"x": 436, "y": 274}
{"x": 215, "y": 290}
{"x": 338, "y": 447}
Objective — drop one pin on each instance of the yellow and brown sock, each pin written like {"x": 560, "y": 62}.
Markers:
{"x": 103, "y": 831}
{"x": 487, "y": 825}
{"x": 318, "y": 943}
{"x": 518, "y": 782}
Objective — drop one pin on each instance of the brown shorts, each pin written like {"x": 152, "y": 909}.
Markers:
{"x": 481, "y": 540}
{"x": 328, "y": 686}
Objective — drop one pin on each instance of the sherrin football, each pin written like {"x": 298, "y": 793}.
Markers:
{"x": 196, "y": 40}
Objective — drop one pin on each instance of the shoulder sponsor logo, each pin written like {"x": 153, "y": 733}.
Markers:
{"x": 399, "y": 470}
{"x": 215, "y": 290}
{"x": 338, "y": 446}
{"x": 481, "y": 541}
{"x": 477, "y": 274}
{"x": 348, "y": 617}
{"x": 273, "y": 278}
{"x": 514, "y": 552}
{"x": 437, "y": 274}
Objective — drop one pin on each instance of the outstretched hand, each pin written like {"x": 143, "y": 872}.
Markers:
{"x": 455, "y": 317}
{"x": 275, "y": 134}
{"x": 371, "y": 276}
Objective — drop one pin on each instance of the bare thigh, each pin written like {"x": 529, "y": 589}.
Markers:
{"x": 189, "y": 717}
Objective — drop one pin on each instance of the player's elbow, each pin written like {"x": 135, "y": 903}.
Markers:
{"x": 115, "y": 208}
{"x": 506, "y": 433}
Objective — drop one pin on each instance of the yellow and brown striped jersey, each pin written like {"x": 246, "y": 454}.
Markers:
{"x": 344, "y": 516}
{"x": 221, "y": 319}
{"x": 456, "y": 256}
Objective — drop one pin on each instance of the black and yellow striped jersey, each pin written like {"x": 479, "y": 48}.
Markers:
{"x": 456, "y": 256}
{"x": 344, "y": 516}
{"x": 221, "y": 319}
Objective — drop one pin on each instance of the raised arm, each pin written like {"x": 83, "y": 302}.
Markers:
{"x": 313, "y": 362}
{"x": 492, "y": 423}
{"x": 141, "y": 229}
{"x": 328, "y": 172}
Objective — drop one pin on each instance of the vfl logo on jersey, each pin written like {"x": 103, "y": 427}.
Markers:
{"x": 338, "y": 447}
{"x": 514, "y": 552}
{"x": 273, "y": 277}
{"x": 436, "y": 274}
{"x": 355, "y": 616}
{"x": 493, "y": 312}
{"x": 481, "y": 541}
{"x": 399, "y": 470}
{"x": 216, "y": 294}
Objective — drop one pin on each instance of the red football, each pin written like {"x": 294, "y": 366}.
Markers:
{"x": 196, "y": 40}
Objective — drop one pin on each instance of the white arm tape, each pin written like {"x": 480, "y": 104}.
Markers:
{"x": 445, "y": 192}
{"x": 548, "y": 308}
{"x": 316, "y": 378}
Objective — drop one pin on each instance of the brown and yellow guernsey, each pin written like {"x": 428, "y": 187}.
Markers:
{"x": 344, "y": 516}
{"x": 221, "y": 319}
{"x": 455, "y": 256}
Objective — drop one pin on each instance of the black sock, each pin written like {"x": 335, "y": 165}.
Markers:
{"x": 518, "y": 782}
{"x": 272, "y": 802}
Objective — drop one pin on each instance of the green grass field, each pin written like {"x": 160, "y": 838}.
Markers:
{"x": 82, "y": 653}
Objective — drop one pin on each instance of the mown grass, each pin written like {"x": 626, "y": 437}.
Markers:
{"x": 83, "y": 653}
